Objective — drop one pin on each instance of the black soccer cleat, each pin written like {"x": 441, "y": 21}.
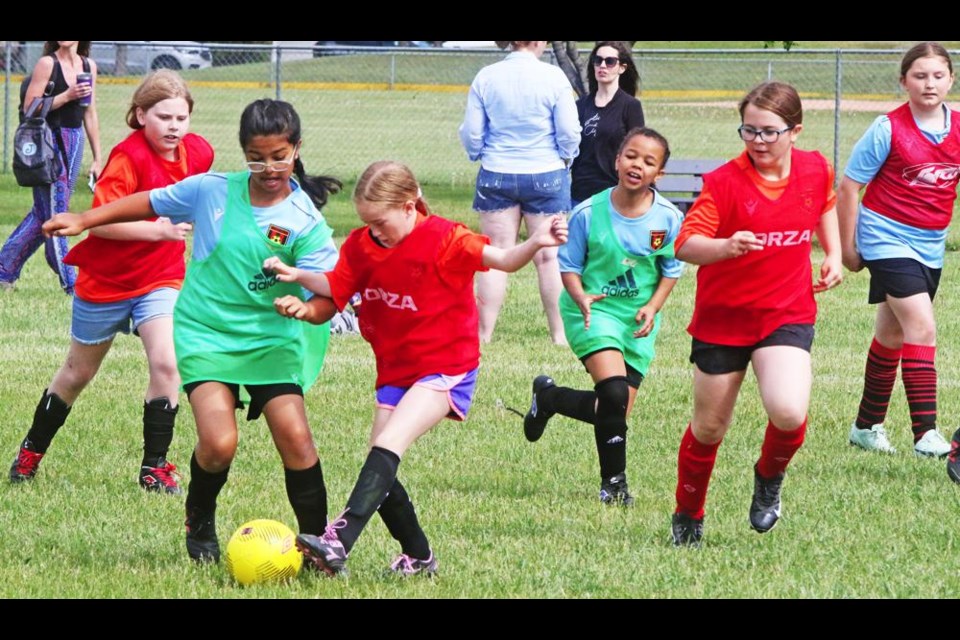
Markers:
{"x": 953, "y": 458}
{"x": 536, "y": 419}
{"x": 615, "y": 491}
{"x": 202, "y": 543}
{"x": 160, "y": 479}
{"x": 765, "y": 507}
{"x": 686, "y": 531}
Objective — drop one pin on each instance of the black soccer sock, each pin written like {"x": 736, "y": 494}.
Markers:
{"x": 49, "y": 416}
{"x": 308, "y": 497}
{"x": 610, "y": 428}
{"x": 400, "y": 518}
{"x": 159, "y": 417}
{"x": 573, "y": 403}
{"x": 204, "y": 487}
{"x": 378, "y": 474}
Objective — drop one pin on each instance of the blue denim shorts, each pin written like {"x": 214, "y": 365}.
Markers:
{"x": 545, "y": 193}
{"x": 97, "y": 322}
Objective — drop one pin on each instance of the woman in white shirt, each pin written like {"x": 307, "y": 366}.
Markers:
{"x": 521, "y": 123}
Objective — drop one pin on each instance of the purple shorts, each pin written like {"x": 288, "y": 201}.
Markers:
{"x": 459, "y": 389}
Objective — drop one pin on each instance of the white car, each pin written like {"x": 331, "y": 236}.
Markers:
{"x": 147, "y": 55}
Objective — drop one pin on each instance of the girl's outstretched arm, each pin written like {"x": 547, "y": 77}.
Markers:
{"x": 510, "y": 260}
{"x": 136, "y": 206}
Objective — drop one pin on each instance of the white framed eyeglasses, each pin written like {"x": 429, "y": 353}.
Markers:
{"x": 275, "y": 166}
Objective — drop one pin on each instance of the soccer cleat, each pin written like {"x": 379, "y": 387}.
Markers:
{"x": 404, "y": 565}
{"x": 160, "y": 479}
{"x": 26, "y": 464}
{"x": 536, "y": 420}
{"x": 953, "y": 458}
{"x": 202, "y": 543}
{"x": 686, "y": 531}
{"x": 325, "y": 552}
{"x": 872, "y": 439}
{"x": 931, "y": 445}
{"x": 765, "y": 507}
{"x": 615, "y": 491}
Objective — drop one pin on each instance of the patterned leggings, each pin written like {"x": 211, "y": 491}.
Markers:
{"x": 47, "y": 200}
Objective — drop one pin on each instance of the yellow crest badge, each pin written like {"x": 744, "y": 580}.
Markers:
{"x": 656, "y": 239}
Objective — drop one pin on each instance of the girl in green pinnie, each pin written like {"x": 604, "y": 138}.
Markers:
{"x": 226, "y": 332}
{"x": 618, "y": 269}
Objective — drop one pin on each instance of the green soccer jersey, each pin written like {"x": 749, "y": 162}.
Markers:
{"x": 628, "y": 280}
{"x": 225, "y": 326}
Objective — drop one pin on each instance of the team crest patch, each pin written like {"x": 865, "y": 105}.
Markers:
{"x": 278, "y": 234}
{"x": 657, "y": 238}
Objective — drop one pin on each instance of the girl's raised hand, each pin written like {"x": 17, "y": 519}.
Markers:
{"x": 63, "y": 224}
{"x": 553, "y": 234}
{"x": 170, "y": 231}
{"x": 283, "y": 271}
{"x": 290, "y": 306}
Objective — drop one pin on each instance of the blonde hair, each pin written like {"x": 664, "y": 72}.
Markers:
{"x": 388, "y": 183}
{"x": 159, "y": 85}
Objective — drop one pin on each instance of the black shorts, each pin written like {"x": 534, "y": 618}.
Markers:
{"x": 900, "y": 278}
{"x": 634, "y": 377}
{"x": 260, "y": 394}
{"x": 720, "y": 358}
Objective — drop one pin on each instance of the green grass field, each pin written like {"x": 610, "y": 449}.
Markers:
{"x": 507, "y": 519}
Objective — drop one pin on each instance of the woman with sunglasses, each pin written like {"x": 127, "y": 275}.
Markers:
{"x": 750, "y": 231}
{"x": 606, "y": 113}
{"x": 521, "y": 124}
{"x": 226, "y": 332}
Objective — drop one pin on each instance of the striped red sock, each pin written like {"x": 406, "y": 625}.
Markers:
{"x": 878, "y": 381}
{"x": 920, "y": 383}
{"x": 778, "y": 449}
{"x": 694, "y": 466}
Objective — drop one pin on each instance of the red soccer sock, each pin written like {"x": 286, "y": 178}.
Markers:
{"x": 878, "y": 380}
{"x": 920, "y": 383}
{"x": 778, "y": 449}
{"x": 694, "y": 466}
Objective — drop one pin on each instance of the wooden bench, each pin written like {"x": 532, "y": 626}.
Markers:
{"x": 682, "y": 181}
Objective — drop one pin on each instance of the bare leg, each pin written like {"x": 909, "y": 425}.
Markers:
{"x": 502, "y": 228}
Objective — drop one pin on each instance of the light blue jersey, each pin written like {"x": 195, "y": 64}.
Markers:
{"x": 201, "y": 200}
{"x": 877, "y": 236}
{"x": 634, "y": 234}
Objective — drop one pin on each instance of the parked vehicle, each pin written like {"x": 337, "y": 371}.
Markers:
{"x": 147, "y": 55}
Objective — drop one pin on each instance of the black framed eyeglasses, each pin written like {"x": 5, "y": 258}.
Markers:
{"x": 611, "y": 61}
{"x": 749, "y": 134}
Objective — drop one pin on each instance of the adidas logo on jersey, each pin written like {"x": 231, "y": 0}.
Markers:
{"x": 261, "y": 282}
{"x": 623, "y": 286}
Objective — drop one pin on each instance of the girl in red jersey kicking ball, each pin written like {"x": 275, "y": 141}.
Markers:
{"x": 750, "y": 232}
{"x": 415, "y": 271}
{"x": 908, "y": 161}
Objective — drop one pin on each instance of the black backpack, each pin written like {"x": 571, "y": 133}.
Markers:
{"x": 36, "y": 154}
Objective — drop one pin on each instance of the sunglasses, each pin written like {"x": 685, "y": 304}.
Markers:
{"x": 599, "y": 61}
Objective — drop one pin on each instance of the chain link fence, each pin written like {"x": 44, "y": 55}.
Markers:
{"x": 360, "y": 104}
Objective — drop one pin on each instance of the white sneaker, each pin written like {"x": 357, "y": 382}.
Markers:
{"x": 872, "y": 439}
{"x": 932, "y": 445}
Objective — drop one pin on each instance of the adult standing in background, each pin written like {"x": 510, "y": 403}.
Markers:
{"x": 60, "y": 63}
{"x": 606, "y": 113}
{"x": 521, "y": 124}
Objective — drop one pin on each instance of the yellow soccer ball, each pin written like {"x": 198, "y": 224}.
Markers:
{"x": 263, "y": 551}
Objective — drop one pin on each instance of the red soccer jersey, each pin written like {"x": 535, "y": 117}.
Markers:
{"x": 742, "y": 300}
{"x": 918, "y": 182}
{"x": 419, "y": 311}
{"x": 113, "y": 270}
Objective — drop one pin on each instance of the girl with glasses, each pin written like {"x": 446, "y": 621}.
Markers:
{"x": 908, "y": 161}
{"x": 226, "y": 332}
{"x": 415, "y": 271}
{"x": 606, "y": 113}
{"x": 750, "y": 231}
{"x": 521, "y": 124}
{"x": 129, "y": 276}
